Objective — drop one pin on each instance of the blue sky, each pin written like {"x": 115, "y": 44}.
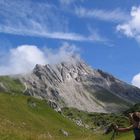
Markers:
{"x": 105, "y": 33}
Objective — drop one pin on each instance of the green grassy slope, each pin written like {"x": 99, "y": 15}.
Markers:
{"x": 12, "y": 85}
{"x": 26, "y": 118}
{"x": 34, "y": 120}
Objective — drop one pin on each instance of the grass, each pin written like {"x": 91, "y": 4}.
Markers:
{"x": 20, "y": 120}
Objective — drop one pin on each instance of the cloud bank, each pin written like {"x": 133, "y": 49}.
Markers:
{"x": 136, "y": 80}
{"x": 131, "y": 28}
{"x": 23, "y": 59}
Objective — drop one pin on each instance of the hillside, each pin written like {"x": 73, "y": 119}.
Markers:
{"x": 21, "y": 121}
{"x": 26, "y": 118}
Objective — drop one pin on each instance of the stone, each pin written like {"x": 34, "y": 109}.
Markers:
{"x": 65, "y": 133}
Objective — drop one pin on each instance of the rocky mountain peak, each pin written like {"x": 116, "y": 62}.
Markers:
{"x": 73, "y": 83}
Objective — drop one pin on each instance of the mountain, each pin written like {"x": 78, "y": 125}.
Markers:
{"x": 24, "y": 117}
{"x": 73, "y": 83}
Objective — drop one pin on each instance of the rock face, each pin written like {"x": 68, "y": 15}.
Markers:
{"x": 75, "y": 84}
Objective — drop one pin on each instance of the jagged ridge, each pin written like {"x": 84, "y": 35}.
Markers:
{"x": 75, "y": 84}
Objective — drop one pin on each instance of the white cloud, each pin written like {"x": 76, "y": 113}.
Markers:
{"x": 136, "y": 80}
{"x": 38, "y": 19}
{"x": 96, "y": 36}
{"x": 65, "y": 53}
{"x": 131, "y": 28}
{"x": 31, "y": 18}
{"x": 67, "y": 2}
{"x": 101, "y": 14}
{"x": 23, "y": 58}
{"x": 53, "y": 35}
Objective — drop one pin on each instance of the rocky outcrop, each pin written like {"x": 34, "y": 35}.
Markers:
{"x": 54, "y": 106}
{"x": 65, "y": 133}
{"x": 75, "y": 84}
{"x": 3, "y": 88}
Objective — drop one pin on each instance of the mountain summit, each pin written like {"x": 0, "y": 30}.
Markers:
{"x": 75, "y": 84}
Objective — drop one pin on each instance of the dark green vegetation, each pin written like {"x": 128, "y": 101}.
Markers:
{"x": 134, "y": 108}
{"x": 96, "y": 120}
{"x": 100, "y": 123}
{"x": 26, "y": 118}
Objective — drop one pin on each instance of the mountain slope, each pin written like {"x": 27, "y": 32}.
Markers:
{"x": 74, "y": 84}
{"x": 26, "y": 118}
{"x": 34, "y": 120}
{"x": 22, "y": 121}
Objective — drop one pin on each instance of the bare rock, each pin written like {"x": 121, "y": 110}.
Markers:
{"x": 3, "y": 88}
{"x": 65, "y": 133}
{"x": 75, "y": 84}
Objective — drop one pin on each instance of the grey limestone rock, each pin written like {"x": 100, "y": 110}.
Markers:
{"x": 75, "y": 84}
